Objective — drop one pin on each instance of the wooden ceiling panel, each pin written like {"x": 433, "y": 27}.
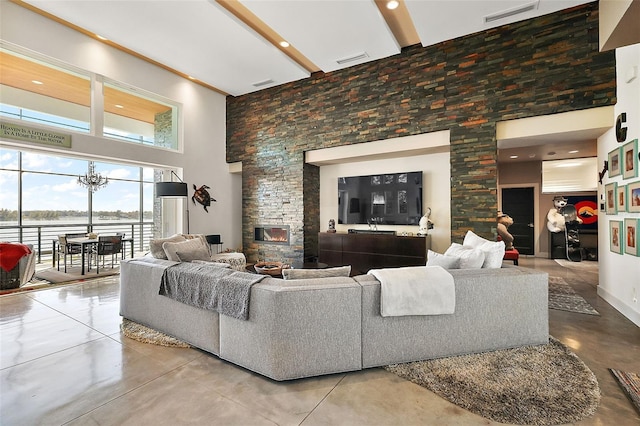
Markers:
{"x": 20, "y": 73}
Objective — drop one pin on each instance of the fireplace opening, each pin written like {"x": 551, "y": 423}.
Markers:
{"x": 272, "y": 234}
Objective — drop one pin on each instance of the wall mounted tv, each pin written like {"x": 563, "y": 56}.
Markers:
{"x": 385, "y": 199}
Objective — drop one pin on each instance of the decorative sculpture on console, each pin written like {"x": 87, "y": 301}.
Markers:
{"x": 425, "y": 223}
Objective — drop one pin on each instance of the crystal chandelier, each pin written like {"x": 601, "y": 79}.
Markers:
{"x": 92, "y": 180}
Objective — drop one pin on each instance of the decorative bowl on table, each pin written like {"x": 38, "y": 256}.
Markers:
{"x": 270, "y": 268}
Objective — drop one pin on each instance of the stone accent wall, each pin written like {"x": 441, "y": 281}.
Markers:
{"x": 541, "y": 66}
{"x": 163, "y": 129}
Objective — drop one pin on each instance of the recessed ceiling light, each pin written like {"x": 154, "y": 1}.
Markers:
{"x": 283, "y": 43}
{"x": 532, "y": 156}
{"x": 551, "y": 153}
{"x": 119, "y": 106}
{"x": 575, "y": 151}
{"x": 393, "y": 4}
{"x": 513, "y": 156}
{"x": 36, "y": 82}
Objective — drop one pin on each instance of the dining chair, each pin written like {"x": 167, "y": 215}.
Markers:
{"x": 65, "y": 248}
{"x": 107, "y": 245}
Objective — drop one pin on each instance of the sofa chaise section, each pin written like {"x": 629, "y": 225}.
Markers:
{"x": 495, "y": 309}
{"x": 140, "y": 302}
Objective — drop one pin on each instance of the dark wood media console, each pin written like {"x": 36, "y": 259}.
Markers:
{"x": 372, "y": 251}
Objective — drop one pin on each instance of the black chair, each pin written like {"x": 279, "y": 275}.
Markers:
{"x": 107, "y": 245}
{"x": 68, "y": 249}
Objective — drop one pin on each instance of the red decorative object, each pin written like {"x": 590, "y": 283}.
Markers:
{"x": 11, "y": 253}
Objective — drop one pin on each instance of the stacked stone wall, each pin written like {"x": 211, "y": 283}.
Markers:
{"x": 541, "y": 66}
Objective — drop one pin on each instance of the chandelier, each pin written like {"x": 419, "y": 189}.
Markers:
{"x": 92, "y": 180}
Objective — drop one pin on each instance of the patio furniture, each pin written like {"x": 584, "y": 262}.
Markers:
{"x": 107, "y": 245}
{"x": 66, "y": 248}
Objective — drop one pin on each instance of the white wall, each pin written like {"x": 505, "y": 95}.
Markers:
{"x": 619, "y": 280}
{"x": 436, "y": 180}
{"x": 202, "y": 122}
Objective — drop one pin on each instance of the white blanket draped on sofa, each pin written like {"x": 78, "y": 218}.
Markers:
{"x": 415, "y": 290}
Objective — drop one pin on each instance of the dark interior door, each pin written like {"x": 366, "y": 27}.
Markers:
{"x": 519, "y": 204}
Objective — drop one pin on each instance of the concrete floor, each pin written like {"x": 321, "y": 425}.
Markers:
{"x": 63, "y": 360}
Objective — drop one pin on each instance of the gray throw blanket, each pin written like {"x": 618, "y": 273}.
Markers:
{"x": 208, "y": 287}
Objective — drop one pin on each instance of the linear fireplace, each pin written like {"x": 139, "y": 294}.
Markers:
{"x": 272, "y": 234}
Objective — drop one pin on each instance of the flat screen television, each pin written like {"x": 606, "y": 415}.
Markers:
{"x": 385, "y": 199}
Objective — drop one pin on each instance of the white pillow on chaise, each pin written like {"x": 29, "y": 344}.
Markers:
{"x": 493, "y": 250}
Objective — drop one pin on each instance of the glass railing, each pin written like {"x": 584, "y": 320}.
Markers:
{"x": 42, "y": 236}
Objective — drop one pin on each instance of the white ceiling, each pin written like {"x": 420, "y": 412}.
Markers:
{"x": 203, "y": 39}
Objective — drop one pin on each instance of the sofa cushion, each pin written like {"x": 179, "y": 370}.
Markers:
{"x": 193, "y": 249}
{"x": 446, "y": 261}
{"x": 470, "y": 258}
{"x": 493, "y": 250}
{"x": 156, "y": 245}
{"x": 296, "y": 274}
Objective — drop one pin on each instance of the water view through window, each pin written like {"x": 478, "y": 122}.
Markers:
{"x": 40, "y": 197}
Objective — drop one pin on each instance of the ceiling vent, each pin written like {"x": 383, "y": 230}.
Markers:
{"x": 353, "y": 58}
{"x": 262, "y": 83}
{"x": 511, "y": 12}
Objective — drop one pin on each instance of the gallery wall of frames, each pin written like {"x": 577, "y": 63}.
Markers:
{"x": 622, "y": 196}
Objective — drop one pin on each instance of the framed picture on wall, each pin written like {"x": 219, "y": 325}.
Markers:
{"x": 630, "y": 236}
{"x": 615, "y": 240}
{"x": 629, "y": 159}
{"x": 614, "y": 162}
{"x": 633, "y": 197}
{"x": 621, "y": 198}
{"x": 610, "y": 192}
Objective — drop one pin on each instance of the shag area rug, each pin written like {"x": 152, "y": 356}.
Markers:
{"x": 564, "y": 298}
{"x": 144, "y": 334}
{"x": 531, "y": 385}
{"x": 630, "y": 384}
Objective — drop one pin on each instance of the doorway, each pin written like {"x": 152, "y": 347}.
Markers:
{"x": 520, "y": 203}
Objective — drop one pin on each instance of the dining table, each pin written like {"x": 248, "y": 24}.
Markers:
{"x": 86, "y": 244}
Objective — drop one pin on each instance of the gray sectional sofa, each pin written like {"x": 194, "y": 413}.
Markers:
{"x": 310, "y": 327}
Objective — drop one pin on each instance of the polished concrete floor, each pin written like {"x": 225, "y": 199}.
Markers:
{"x": 63, "y": 360}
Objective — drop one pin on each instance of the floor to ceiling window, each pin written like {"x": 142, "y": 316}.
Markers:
{"x": 41, "y": 197}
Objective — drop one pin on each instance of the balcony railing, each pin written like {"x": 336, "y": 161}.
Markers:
{"x": 42, "y": 236}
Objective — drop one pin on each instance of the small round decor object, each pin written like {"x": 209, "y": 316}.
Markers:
{"x": 270, "y": 268}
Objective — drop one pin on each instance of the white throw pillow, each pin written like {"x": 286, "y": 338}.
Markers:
{"x": 193, "y": 249}
{"x": 493, "y": 250}
{"x": 470, "y": 258}
{"x": 447, "y": 262}
{"x": 156, "y": 245}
